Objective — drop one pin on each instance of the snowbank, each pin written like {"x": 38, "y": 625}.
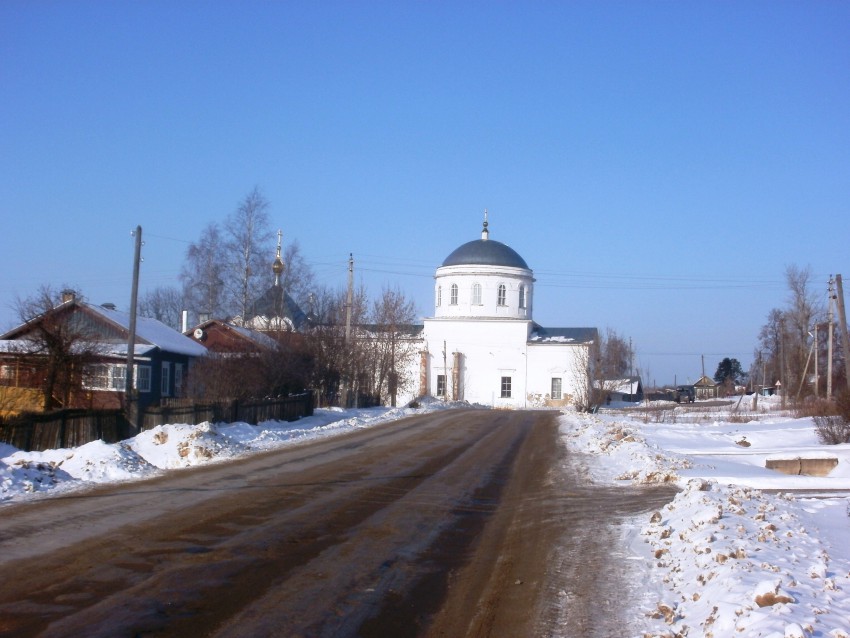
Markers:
{"x": 726, "y": 558}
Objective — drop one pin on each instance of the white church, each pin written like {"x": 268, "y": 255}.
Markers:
{"x": 483, "y": 346}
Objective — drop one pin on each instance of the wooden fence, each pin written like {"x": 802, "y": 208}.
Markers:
{"x": 71, "y": 428}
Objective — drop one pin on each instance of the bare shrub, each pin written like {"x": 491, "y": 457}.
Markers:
{"x": 832, "y": 430}
{"x": 815, "y": 407}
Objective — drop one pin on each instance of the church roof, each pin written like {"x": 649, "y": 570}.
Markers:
{"x": 275, "y": 302}
{"x": 485, "y": 252}
{"x": 539, "y": 334}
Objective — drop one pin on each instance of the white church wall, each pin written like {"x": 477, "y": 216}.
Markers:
{"x": 564, "y": 362}
{"x": 490, "y": 350}
{"x": 489, "y": 278}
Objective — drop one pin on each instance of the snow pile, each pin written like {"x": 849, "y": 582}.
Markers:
{"x": 738, "y": 562}
{"x": 95, "y": 462}
{"x": 173, "y": 446}
{"x": 725, "y": 558}
{"x": 182, "y": 445}
{"x": 630, "y": 457}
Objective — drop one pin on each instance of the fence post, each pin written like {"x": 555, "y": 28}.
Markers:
{"x": 62, "y": 428}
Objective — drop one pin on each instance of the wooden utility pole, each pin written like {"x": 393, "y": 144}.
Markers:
{"x": 829, "y": 345}
{"x": 817, "y": 372}
{"x": 349, "y": 302}
{"x": 842, "y": 326}
{"x": 131, "y": 406}
{"x": 783, "y": 377}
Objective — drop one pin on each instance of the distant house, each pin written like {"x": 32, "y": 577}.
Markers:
{"x": 226, "y": 338}
{"x": 629, "y": 389}
{"x": 163, "y": 357}
{"x": 705, "y": 388}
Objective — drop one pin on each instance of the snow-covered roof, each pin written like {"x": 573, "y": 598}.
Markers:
{"x": 539, "y": 334}
{"x": 154, "y": 332}
{"x": 628, "y": 385}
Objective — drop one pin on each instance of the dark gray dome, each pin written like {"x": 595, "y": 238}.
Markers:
{"x": 485, "y": 252}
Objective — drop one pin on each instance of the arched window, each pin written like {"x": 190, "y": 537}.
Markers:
{"x": 476, "y": 294}
{"x": 453, "y": 300}
{"x": 501, "y": 300}
{"x": 522, "y": 296}
{"x": 439, "y": 296}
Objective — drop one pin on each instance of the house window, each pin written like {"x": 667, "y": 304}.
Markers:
{"x": 165, "y": 385}
{"x": 113, "y": 376}
{"x": 506, "y": 388}
{"x": 97, "y": 377}
{"x": 522, "y": 296}
{"x": 556, "y": 389}
{"x": 439, "y": 296}
{"x": 178, "y": 379}
{"x": 501, "y": 300}
{"x": 476, "y": 294}
{"x": 441, "y": 385}
{"x": 453, "y": 300}
{"x": 143, "y": 378}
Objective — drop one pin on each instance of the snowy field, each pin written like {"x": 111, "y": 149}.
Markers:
{"x": 741, "y": 550}
{"x": 724, "y": 558}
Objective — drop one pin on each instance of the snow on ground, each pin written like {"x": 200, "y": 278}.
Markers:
{"x": 725, "y": 557}
{"x": 27, "y": 475}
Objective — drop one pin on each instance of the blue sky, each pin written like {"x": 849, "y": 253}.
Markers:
{"x": 657, "y": 164}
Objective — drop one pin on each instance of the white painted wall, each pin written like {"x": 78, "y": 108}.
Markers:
{"x": 489, "y": 277}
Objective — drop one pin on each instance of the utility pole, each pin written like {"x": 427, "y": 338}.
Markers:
{"x": 817, "y": 353}
{"x": 783, "y": 379}
{"x": 129, "y": 391}
{"x": 349, "y": 302}
{"x": 829, "y": 346}
{"x": 842, "y": 326}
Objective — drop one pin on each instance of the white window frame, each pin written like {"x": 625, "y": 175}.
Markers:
{"x": 557, "y": 388}
{"x": 453, "y": 298}
{"x": 476, "y": 294}
{"x": 439, "y": 296}
{"x": 111, "y": 377}
{"x": 505, "y": 388}
{"x": 502, "y": 295}
{"x": 522, "y": 296}
{"x": 441, "y": 385}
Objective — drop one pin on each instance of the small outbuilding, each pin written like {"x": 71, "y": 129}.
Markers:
{"x": 705, "y": 388}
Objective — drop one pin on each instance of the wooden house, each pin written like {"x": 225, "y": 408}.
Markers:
{"x": 705, "y": 388}
{"x": 76, "y": 353}
{"x": 226, "y": 338}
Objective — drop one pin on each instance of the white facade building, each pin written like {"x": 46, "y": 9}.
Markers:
{"x": 482, "y": 344}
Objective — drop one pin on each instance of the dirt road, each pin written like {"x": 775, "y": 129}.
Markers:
{"x": 455, "y": 523}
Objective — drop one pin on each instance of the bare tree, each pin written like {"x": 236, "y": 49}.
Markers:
{"x": 386, "y": 343}
{"x": 615, "y": 356}
{"x": 54, "y": 344}
{"x": 163, "y": 303}
{"x": 586, "y": 393}
{"x": 337, "y": 362}
{"x": 249, "y": 241}
{"x": 298, "y": 278}
{"x": 203, "y": 274}
{"x": 784, "y": 340}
